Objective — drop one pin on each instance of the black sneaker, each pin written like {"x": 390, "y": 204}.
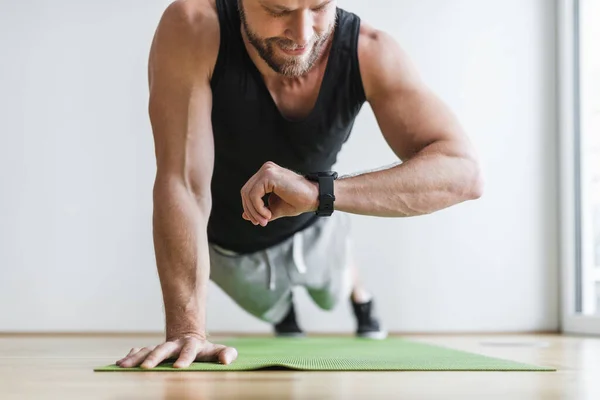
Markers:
{"x": 288, "y": 327}
{"x": 367, "y": 324}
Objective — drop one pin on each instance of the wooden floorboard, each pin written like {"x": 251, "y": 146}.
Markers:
{"x": 60, "y": 367}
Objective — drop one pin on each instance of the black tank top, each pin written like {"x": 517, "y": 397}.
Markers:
{"x": 249, "y": 129}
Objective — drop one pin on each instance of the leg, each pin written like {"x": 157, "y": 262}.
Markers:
{"x": 367, "y": 324}
{"x": 324, "y": 253}
{"x": 288, "y": 326}
{"x": 252, "y": 281}
{"x": 359, "y": 293}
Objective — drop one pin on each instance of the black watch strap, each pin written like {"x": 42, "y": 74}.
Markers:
{"x": 326, "y": 191}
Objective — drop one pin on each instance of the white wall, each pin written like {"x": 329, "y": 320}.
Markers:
{"x": 76, "y": 169}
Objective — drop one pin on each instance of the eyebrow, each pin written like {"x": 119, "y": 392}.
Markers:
{"x": 284, "y": 8}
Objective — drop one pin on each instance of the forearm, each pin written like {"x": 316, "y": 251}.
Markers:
{"x": 181, "y": 247}
{"x": 436, "y": 178}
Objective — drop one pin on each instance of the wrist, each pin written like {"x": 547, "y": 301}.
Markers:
{"x": 323, "y": 193}
{"x": 187, "y": 324}
{"x": 174, "y": 332}
{"x": 342, "y": 194}
{"x": 314, "y": 205}
{"x": 175, "y": 335}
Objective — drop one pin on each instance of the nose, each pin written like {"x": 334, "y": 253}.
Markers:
{"x": 301, "y": 31}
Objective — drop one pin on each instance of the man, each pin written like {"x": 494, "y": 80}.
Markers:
{"x": 250, "y": 104}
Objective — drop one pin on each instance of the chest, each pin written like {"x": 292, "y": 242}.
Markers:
{"x": 300, "y": 127}
{"x": 295, "y": 102}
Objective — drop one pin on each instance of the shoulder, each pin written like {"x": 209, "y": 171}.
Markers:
{"x": 383, "y": 63}
{"x": 195, "y": 16}
{"x": 188, "y": 34}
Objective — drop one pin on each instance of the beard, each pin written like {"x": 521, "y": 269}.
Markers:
{"x": 291, "y": 66}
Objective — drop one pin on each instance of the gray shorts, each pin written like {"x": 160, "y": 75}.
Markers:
{"x": 316, "y": 258}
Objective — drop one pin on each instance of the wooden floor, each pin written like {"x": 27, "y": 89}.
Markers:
{"x": 60, "y": 367}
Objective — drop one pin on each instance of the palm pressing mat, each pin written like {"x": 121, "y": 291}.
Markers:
{"x": 346, "y": 354}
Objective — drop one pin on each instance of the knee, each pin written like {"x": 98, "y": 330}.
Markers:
{"x": 328, "y": 303}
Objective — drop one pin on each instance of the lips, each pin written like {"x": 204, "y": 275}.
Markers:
{"x": 295, "y": 51}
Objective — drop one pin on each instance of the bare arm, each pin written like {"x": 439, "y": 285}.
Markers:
{"x": 180, "y": 105}
{"x": 439, "y": 167}
{"x": 180, "y": 65}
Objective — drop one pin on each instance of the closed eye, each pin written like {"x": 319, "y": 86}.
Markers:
{"x": 321, "y": 8}
{"x": 278, "y": 14}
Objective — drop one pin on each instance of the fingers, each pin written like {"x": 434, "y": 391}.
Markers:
{"x": 257, "y": 216}
{"x": 246, "y": 212}
{"x": 136, "y": 358}
{"x": 255, "y": 197}
{"x": 187, "y": 355}
{"x": 217, "y": 352}
{"x": 132, "y": 351}
{"x": 253, "y": 218}
{"x": 227, "y": 355}
{"x": 189, "y": 351}
{"x": 161, "y": 353}
{"x": 255, "y": 189}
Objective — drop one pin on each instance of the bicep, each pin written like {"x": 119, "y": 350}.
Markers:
{"x": 411, "y": 117}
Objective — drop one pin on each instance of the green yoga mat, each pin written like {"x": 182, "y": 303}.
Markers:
{"x": 346, "y": 354}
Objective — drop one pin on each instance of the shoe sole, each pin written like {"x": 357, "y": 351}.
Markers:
{"x": 290, "y": 335}
{"x": 373, "y": 335}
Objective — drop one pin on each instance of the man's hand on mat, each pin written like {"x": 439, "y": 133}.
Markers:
{"x": 186, "y": 350}
{"x": 290, "y": 194}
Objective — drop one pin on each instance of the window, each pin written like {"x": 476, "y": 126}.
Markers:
{"x": 579, "y": 73}
{"x": 588, "y": 113}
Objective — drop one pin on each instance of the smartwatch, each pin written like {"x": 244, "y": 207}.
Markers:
{"x": 326, "y": 192}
